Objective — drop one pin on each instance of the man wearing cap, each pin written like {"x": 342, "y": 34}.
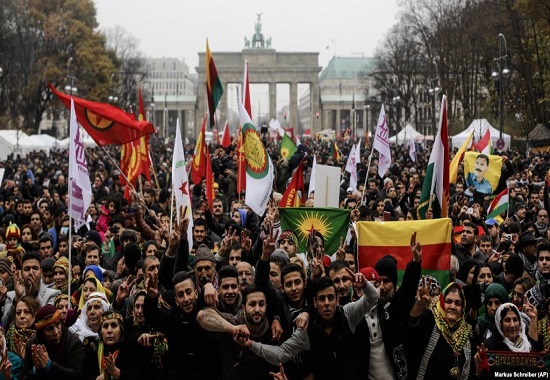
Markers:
{"x": 204, "y": 265}
{"x": 493, "y": 229}
{"x": 54, "y": 353}
{"x": 519, "y": 213}
{"x": 526, "y": 248}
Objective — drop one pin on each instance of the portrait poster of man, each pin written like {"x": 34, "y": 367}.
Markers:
{"x": 482, "y": 171}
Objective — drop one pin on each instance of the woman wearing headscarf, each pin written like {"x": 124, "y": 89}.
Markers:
{"x": 513, "y": 335}
{"x": 441, "y": 343}
{"x": 495, "y": 295}
{"x": 88, "y": 323}
{"x": 54, "y": 353}
{"x": 115, "y": 358}
{"x": 61, "y": 276}
{"x": 22, "y": 328}
{"x": 10, "y": 363}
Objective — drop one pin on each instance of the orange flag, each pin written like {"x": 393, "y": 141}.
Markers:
{"x": 198, "y": 167}
{"x": 209, "y": 181}
{"x": 290, "y": 197}
{"x": 241, "y": 170}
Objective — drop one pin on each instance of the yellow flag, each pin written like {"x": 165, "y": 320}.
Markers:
{"x": 453, "y": 170}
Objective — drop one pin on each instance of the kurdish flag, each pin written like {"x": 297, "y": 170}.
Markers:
{"x": 331, "y": 222}
{"x": 378, "y": 239}
{"x": 435, "y": 188}
{"x": 484, "y": 145}
{"x": 499, "y": 204}
{"x": 334, "y": 151}
{"x": 287, "y": 147}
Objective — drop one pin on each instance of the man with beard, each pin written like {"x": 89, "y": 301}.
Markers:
{"x": 338, "y": 273}
{"x": 189, "y": 355}
{"x": 204, "y": 266}
{"x": 237, "y": 362}
{"x": 229, "y": 292}
{"x": 468, "y": 248}
{"x": 30, "y": 283}
{"x": 246, "y": 274}
{"x": 493, "y": 228}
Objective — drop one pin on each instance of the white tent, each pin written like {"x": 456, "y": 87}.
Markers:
{"x": 11, "y": 142}
{"x": 406, "y": 134}
{"x": 480, "y": 126}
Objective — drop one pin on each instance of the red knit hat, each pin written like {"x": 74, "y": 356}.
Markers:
{"x": 13, "y": 231}
{"x": 370, "y": 274}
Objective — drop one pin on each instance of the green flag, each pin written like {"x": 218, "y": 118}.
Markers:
{"x": 287, "y": 147}
{"x": 331, "y": 222}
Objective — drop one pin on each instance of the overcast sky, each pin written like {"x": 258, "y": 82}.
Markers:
{"x": 179, "y": 29}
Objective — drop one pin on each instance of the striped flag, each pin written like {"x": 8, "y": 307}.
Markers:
{"x": 499, "y": 204}
{"x": 484, "y": 145}
{"x": 381, "y": 144}
{"x": 378, "y": 239}
{"x": 435, "y": 187}
{"x": 214, "y": 88}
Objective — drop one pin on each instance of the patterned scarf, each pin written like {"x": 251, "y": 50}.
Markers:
{"x": 18, "y": 338}
{"x": 456, "y": 334}
{"x": 101, "y": 359}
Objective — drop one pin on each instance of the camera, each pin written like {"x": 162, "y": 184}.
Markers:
{"x": 470, "y": 210}
{"x": 506, "y": 236}
{"x": 114, "y": 230}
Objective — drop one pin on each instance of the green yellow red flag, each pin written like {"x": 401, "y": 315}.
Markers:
{"x": 378, "y": 239}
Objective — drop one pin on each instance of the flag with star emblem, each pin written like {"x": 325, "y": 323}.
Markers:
{"x": 331, "y": 222}
{"x": 180, "y": 183}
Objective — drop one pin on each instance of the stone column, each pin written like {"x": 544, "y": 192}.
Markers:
{"x": 338, "y": 121}
{"x": 314, "y": 101}
{"x": 272, "y": 101}
{"x": 293, "y": 105}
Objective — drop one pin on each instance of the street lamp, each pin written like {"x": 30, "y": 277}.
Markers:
{"x": 70, "y": 87}
{"x": 112, "y": 97}
{"x": 367, "y": 108}
{"x": 501, "y": 73}
{"x": 396, "y": 101}
{"x": 433, "y": 91}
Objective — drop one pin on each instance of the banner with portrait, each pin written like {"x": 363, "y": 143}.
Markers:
{"x": 482, "y": 171}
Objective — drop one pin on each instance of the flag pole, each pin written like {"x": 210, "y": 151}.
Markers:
{"x": 154, "y": 170}
{"x": 118, "y": 167}
{"x": 366, "y": 177}
{"x": 171, "y": 210}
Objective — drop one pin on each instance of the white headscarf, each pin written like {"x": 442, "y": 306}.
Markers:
{"x": 81, "y": 327}
{"x": 525, "y": 345}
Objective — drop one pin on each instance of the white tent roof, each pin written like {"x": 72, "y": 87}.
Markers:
{"x": 479, "y": 127}
{"x": 406, "y": 134}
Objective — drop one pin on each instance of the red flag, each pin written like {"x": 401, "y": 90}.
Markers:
{"x": 105, "y": 123}
{"x": 290, "y": 197}
{"x": 484, "y": 142}
{"x": 214, "y": 88}
{"x": 241, "y": 168}
{"x": 209, "y": 181}
{"x": 226, "y": 136}
{"x": 246, "y": 90}
{"x": 198, "y": 167}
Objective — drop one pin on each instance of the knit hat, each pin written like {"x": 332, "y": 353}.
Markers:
{"x": 370, "y": 274}
{"x": 203, "y": 253}
{"x": 94, "y": 236}
{"x": 288, "y": 234}
{"x": 5, "y": 263}
{"x": 47, "y": 264}
{"x": 62, "y": 263}
{"x": 132, "y": 254}
{"x": 46, "y": 316}
{"x": 518, "y": 206}
{"x": 387, "y": 266}
{"x": 280, "y": 254}
{"x": 13, "y": 231}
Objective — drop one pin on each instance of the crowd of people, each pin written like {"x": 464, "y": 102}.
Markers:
{"x": 136, "y": 298}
